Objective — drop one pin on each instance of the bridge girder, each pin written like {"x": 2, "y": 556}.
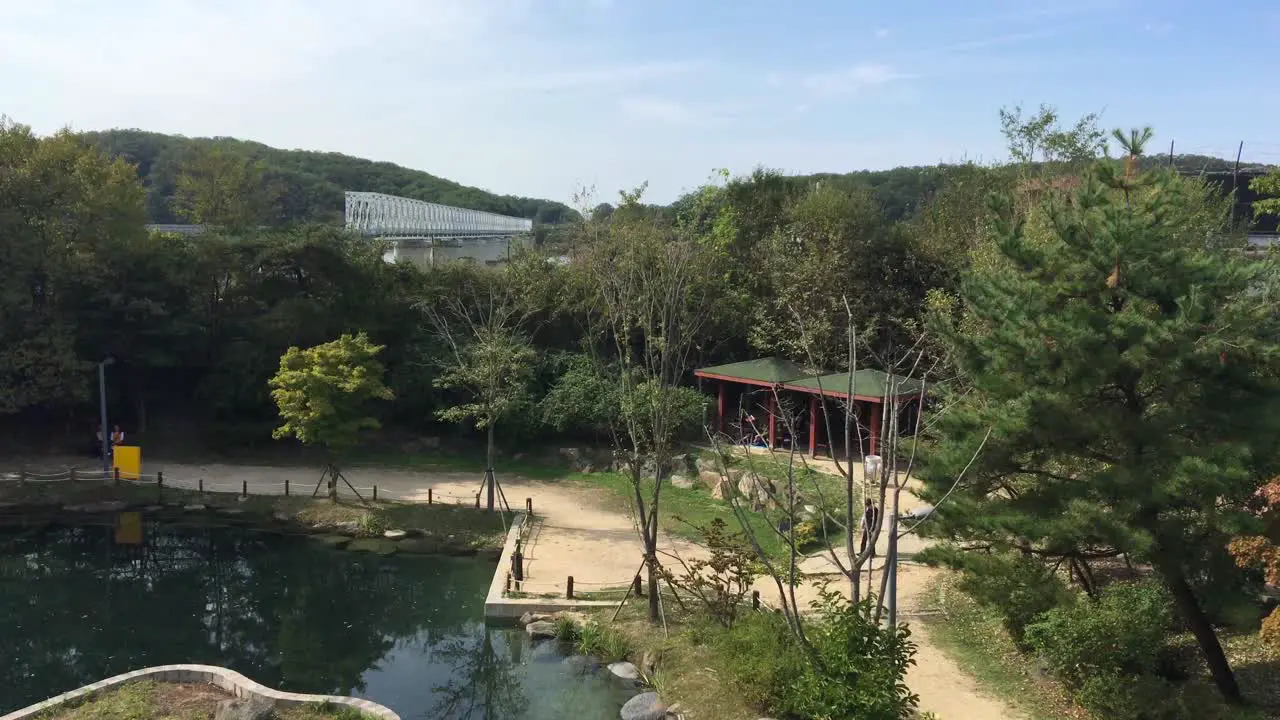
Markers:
{"x": 390, "y": 216}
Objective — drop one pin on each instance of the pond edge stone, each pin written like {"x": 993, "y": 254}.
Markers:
{"x": 229, "y": 680}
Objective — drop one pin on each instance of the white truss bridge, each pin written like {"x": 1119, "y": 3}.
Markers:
{"x": 388, "y": 216}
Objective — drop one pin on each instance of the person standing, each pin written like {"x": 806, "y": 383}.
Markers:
{"x": 117, "y": 437}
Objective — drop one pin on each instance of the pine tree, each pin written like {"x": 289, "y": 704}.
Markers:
{"x": 1125, "y": 366}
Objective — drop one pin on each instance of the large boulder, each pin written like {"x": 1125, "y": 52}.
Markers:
{"x": 625, "y": 670}
{"x": 244, "y": 709}
{"x": 532, "y": 617}
{"x": 682, "y": 482}
{"x": 709, "y": 478}
{"x": 708, "y": 463}
{"x": 722, "y": 490}
{"x": 645, "y": 706}
{"x": 541, "y": 629}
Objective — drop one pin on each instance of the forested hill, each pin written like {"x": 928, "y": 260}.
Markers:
{"x": 310, "y": 183}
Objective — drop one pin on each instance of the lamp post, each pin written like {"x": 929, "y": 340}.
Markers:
{"x": 102, "y": 410}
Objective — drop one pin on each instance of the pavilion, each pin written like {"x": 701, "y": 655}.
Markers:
{"x": 762, "y": 384}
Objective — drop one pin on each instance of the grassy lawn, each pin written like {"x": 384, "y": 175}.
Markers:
{"x": 149, "y": 700}
{"x": 452, "y": 525}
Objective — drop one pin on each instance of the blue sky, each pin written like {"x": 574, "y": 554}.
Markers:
{"x": 542, "y": 97}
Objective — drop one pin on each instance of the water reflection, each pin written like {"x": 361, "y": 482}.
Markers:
{"x": 404, "y": 631}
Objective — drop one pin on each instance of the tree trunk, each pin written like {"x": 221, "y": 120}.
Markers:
{"x": 1193, "y": 615}
{"x": 488, "y": 466}
{"x": 651, "y": 559}
{"x": 333, "y": 483}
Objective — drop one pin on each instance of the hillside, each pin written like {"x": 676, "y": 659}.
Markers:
{"x": 312, "y": 182}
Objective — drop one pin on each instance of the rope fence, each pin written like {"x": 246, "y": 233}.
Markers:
{"x": 243, "y": 488}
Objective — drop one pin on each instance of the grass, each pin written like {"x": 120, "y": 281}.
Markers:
{"x": 689, "y": 672}
{"x": 974, "y": 637}
{"x": 447, "y": 525}
{"x": 149, "y": 700}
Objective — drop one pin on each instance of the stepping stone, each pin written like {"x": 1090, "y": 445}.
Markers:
{"x": 626, "y": 671}
{"x": 645, "y": 706}
{"x": 394, "y": 534}
{"x": 541, "y": 629}
{"x": 194, "y": 507}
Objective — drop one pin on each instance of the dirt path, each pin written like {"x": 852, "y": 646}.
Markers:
{"x": 580, "y": 535}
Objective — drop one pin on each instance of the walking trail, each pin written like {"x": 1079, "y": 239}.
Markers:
{"x": 582, "y": 532}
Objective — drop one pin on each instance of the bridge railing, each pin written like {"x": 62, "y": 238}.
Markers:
{"x": 383, "y": 215}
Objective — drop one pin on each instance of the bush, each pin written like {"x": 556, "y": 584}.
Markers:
{"x": 1140, "y": 697}
{"x": 1122, "y": 634}
{"x": 607, "y": 644}
{"x": 1021, "y": 589}
{"x": 857, "y": 668}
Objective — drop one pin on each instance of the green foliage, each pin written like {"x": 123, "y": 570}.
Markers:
{"x": 224, "y": 190}
{"x": 583, "y": 399}
{"x": 494, "y": 367}
{"x": 857, "y": 668}
{"x": 603, "y": 642}
{"x": 1020, "y": 588}
{"x": 1269, "y": 185}
{"x": 567, "y": 630}
{"x": 323, "y": 391}
{"x": 1121, "y": 634}
{"x": 1131, "y": 697}
{"x": 308, "y": 185}
{"x": 1126, "y": 372}
{"x": 722, "y": 581}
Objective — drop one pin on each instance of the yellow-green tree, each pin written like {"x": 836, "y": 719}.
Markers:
{"x": 323, "y": 394}
{"x": 225, "y": 190}
{"x": 1269, "y": 185}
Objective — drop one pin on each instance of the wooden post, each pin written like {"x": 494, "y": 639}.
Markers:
{"x": 517, "y": 563}
{"x": 286, "y": 486}
{"x": 528, "y": 506}
{"x": 159, "y": 485}
{"x": 73, "y": 474}
{"x": 428, "y": 496}
{"x": 568, "y": 588}
{"x": 22, "y": 476}
{"x": 200, "y": 486}
{"x": 813, "y": 426}
{"x": 115, "y": 475}
{"x": 637, "y": 587}
{"x": 755, "y": 599}
{"x": 477, "y": 501}
{"x": 244, "y": 488}
{"x": 375, "y": 493}
{"x": 508, "y": 587}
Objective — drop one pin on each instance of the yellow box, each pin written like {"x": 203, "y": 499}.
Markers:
{"x": 128, "y": 460}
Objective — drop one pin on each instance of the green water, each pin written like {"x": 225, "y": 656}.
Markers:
{"x": 406, "y": 632}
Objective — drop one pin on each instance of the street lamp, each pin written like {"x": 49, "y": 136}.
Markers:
{"x": 102, "y": 409}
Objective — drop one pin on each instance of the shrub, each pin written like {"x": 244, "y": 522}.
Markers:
{"x": 1137, "y": 697}
{"x": 1121, "y": 634}
{"x": 567, "y": 630}
{"x": 723, "y": 580}
{"x": 857, "y": 668}
{"x": 1021, "y": 589}
{"x": 605, "y": 643}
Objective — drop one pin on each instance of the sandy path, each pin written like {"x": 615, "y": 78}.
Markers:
{"x": 580, "y": 536}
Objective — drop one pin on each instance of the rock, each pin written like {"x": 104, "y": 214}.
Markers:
{"x": 99, "y": 507}
{"x": 334, "y": 541}
{"x": 708, "y": 463}
{"x": 645, "y": 706}
{"x": 531, "y": 617}
{"x": 242, "y": 498}
{"x": 581, "y": 664}
{"x": 685, "y": 463}
{"x": 282, "y": 517}
{"x": 194, "y": 507}
{"x": 372, "y": 545}
{"x": 153, "y": 508}
{"x": 232, "y": 511}
{"x": 735, "y": 475}
{"x": 541, "y": 629}
{"x": 545, "y": 653}
{"x": 722, "y": 490}
{"x": 649, "y": 663}
{"x": 709, "y": 478}
{"x": 625, "y": 670}
{"x": 244, "y": 709}
{"x": 420, "y": 546}
{"x": 394, "y": 534}
{"x": 681, "y": 482}
{"x": 573, "y": 616}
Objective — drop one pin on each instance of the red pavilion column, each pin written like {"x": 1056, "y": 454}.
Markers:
{"x": 720, "y": 406}
{"x": 813, "y": 426}
{"x": 773, "y": 422}
{"x": 875, "y": 427}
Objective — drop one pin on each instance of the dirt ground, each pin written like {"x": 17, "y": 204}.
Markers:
{"x": 577, "y": 535}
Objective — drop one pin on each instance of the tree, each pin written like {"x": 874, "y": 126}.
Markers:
{"x": 489, "y": 359}
{"x": 1268, "y": 184}
{"x": 225, "y": 190}
{"x": 1041, "y": 135}
{"x": 1126, "y": 370}
{"x": 652, "y": 304}
{"x": 323, "y": 392}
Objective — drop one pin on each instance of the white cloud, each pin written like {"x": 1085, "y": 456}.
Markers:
{"x": 852, "y": 80}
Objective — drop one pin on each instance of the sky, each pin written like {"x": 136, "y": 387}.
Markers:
{"x": 545, "y": 98}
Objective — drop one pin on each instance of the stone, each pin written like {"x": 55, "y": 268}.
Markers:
{"x": 194, "y": 507}
{"x": 722, "y": 490}
{"x": 376, "y": 546}
{"x": 244, "y": 709}
{"x": 242, "y": 498}
{"x": 394, "y": 534}
{"x": 545, "y": 653}
{"x": 532, "y": 617}
{"x": 99, "y": 507}
{"x": 625, "y": 670}
{"x": 282, "y": 517}
{"x": 581, "y": 664}
{"x": 709, "y": 478}
{"x": 232, "y": 511}
{"x": 153, "y": 508}
{"x": 573, "y": 616}
{"x": 541, "y": 629}
{"x": 708, "y": 463}
{"x": 681, "y": 482}
{"x": 645, "y": 706}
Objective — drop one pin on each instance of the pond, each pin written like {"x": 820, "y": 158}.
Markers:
{"x": 406, "y": 632}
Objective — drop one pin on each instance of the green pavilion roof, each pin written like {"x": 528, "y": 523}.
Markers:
{"x": 769, "y": 371}
{"x": 868, "y": 383}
